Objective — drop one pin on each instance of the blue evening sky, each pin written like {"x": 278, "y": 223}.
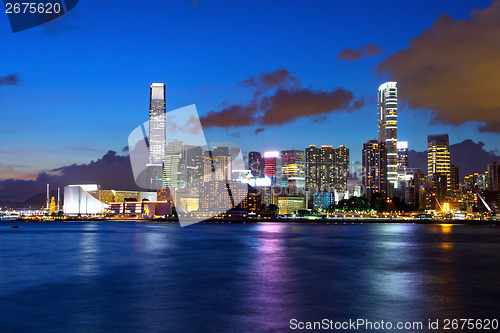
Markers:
{"x": 85, "y": 77}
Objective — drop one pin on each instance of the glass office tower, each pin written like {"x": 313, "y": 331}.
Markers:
{"x": 388, "y": 128}
{"x": 157, "y": 135}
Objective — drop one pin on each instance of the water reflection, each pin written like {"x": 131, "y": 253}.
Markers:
{"x": 393, "y": 274}
{"x": 88, "y": 250}
{"x": 269, "y": 299}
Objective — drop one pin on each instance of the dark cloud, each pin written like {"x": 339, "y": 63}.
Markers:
{"x": 460, "y": 155}
{"x": 287, "y": 105}
{"x": 10, "y": 80}
{"x": 259, "y": 130}
{"x": 111, "y": 171}
{"x": 365, "y": 51}
{"x": 491, "y": 126}
{"x": 280, "y": 78}
{"x": 285, "y": 101}
{"x": 452, "y": 69}
{"x": 234, "y": 115}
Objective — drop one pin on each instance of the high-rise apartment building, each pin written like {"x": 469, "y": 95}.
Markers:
{"x": 341, "y": 169}
{"x": 438, "y": 157}
{"x": 388, "y": 128}
{"x": 313, "y": 164}
{"x": 374, "y": 167}
{"x": 327, "y": 168}
{"x": 157, "y": 136}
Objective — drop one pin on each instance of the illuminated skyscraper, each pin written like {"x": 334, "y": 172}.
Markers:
{"x": 388, "y": 128}
{"x": 313, "y": 164}
{"x": 294, "y": 166}
{"x": 374, "y": 168}
{"x": 341, "y": 168}
{"x": 438, "y": 157}
{"x": 157, "y": 135}
{"x": 327, "y": 168}
{"x": 272, "y": 166}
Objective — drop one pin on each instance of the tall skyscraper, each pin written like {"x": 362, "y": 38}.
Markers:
{"x": 341, "y": 168}
{"x": 388, "y": 128}
{"x": 402, "y": 154}
{"x": 313, "y": 164}
{"x": 438, "y": 157}
{"x": 374, "y": 167}
{"x": 493, "y": 180}
{"x": 157, "y": 135}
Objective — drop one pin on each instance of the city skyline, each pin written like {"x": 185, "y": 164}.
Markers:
{"x": 354, "y": 62}
{"x": 260, "y": 106}
{"x": 249, "y": 166}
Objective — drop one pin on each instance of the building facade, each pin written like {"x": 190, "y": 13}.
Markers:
{"x": 327, "y": 168}
{"x": 388, "y": 128}
{"x": 402, "y": 154}
{"x": 494, "y": 176}
{"x": 293, "y": 168}
{"x": 157, "y": 136}
{"x": 374, "y": 168}
{"x": 173, "y": 165}
{"x": 438, "y": 157}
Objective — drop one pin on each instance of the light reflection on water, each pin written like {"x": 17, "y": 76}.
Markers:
{"x": 241, "y": 277}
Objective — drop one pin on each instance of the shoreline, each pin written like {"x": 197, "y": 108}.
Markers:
{"x": 269, "y": 220}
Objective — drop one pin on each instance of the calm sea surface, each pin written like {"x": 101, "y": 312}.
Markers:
{"x": 138, "y": 277}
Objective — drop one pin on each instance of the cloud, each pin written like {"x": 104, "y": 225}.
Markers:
{"x": 279, "y": 99}
{"x": 365, "y": 51}
{"x": 10, "y": 80}
{"x": 234, "y": 115}
{"x": 491, "y": 126}
{"x": 111, "y": 171}
{"x": 287, "y": 105}
{"x": 264, "y": 82}
{"x": 452, "y": 69}
{"x": 259, "y": 130}
{"x": 460, "y": 155}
